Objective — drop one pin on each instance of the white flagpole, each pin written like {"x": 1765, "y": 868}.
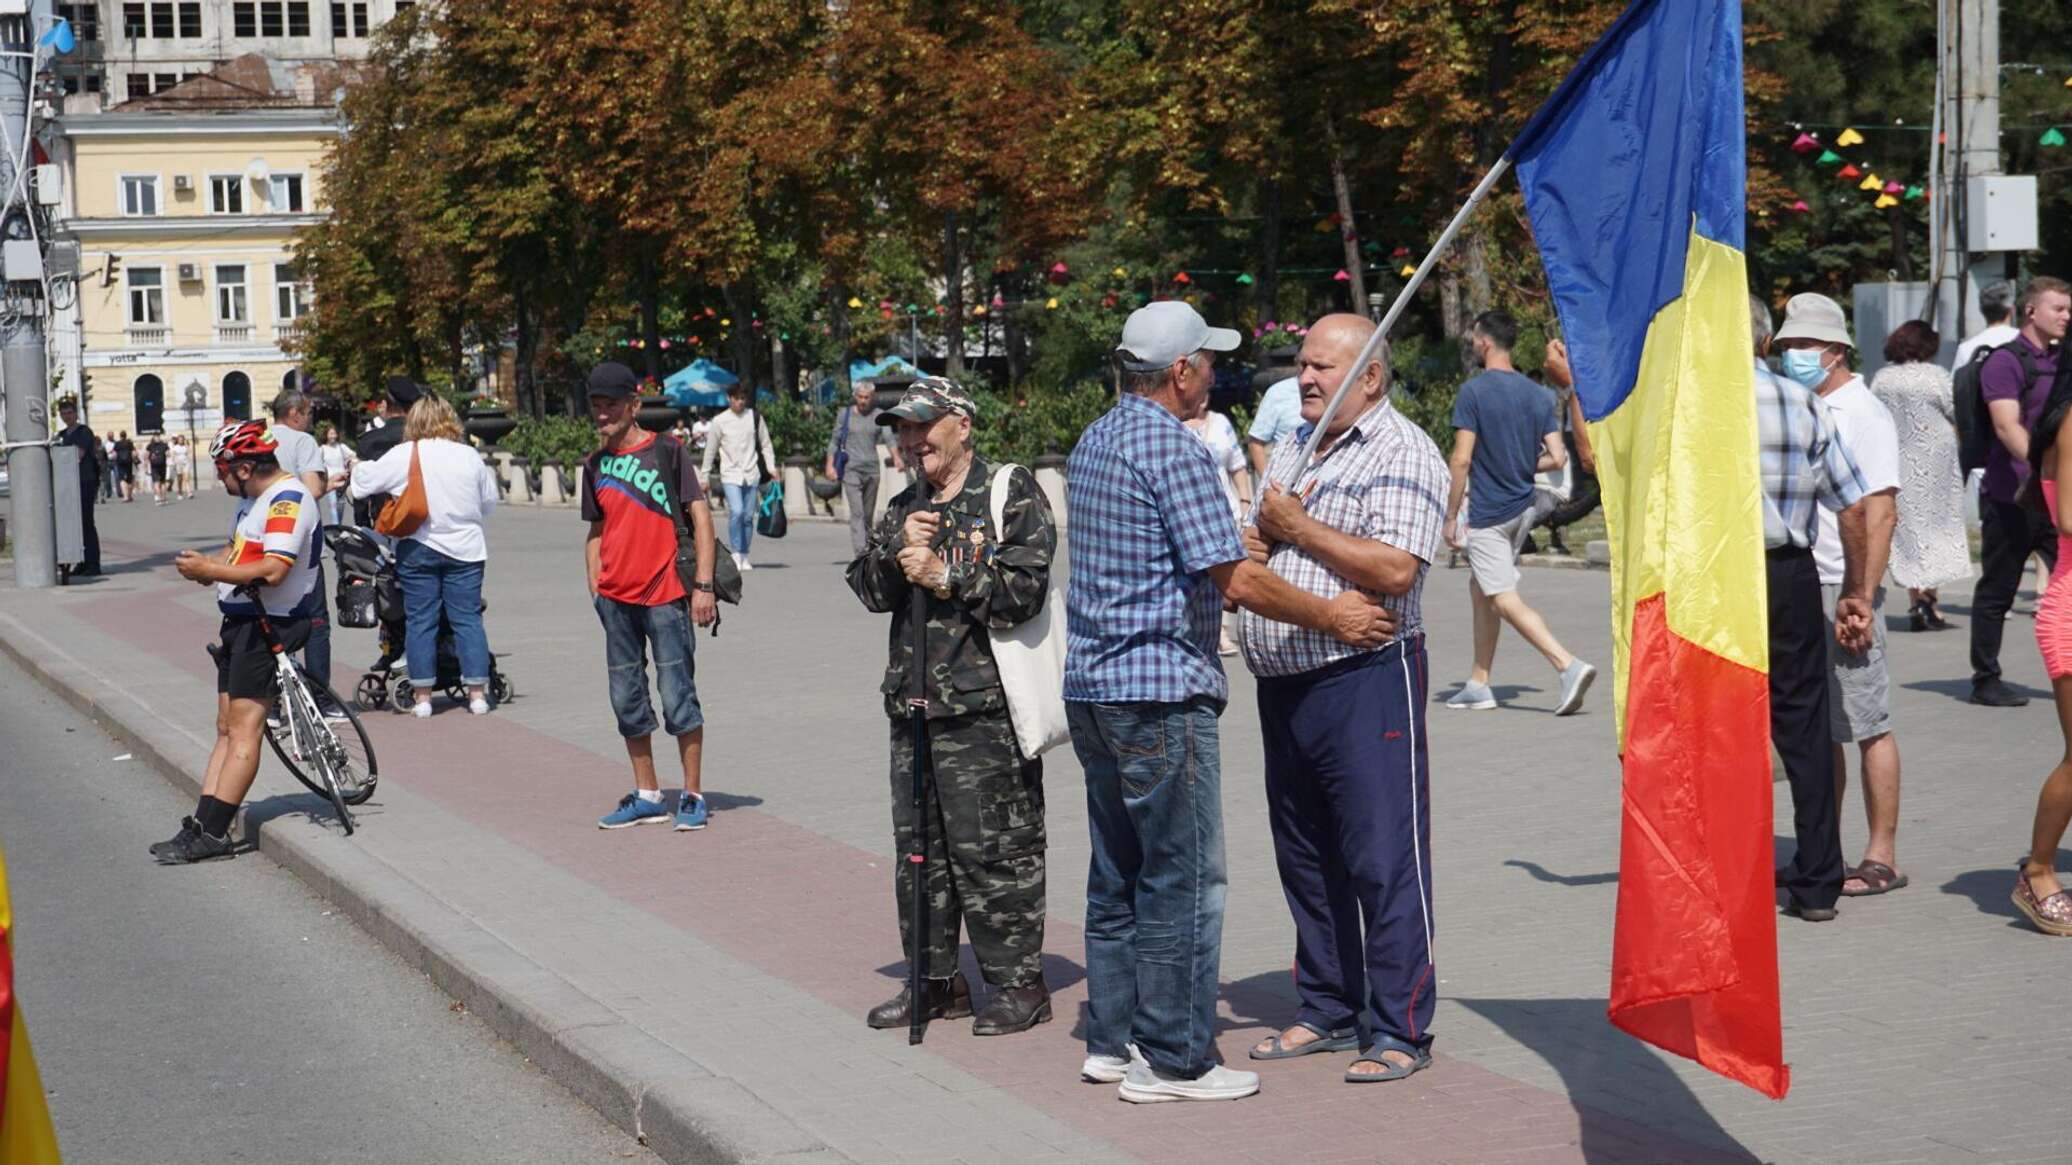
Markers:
{"x": 1388, "y": 320}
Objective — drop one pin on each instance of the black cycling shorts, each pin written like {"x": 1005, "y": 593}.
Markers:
{"x": 244, "y": 666}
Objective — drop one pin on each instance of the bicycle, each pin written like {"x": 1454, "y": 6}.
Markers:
{"x": 304, "y": 739}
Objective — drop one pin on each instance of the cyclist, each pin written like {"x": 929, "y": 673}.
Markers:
{"x": 271, "y": 547}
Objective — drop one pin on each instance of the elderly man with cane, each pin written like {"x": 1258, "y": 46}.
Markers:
{"x": 967, "y": 805}
{"x": 1347, "y": 775}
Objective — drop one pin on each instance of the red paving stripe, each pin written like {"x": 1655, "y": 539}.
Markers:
{"x": 818, "y": 914}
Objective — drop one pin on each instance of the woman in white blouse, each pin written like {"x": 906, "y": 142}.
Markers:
{"x": 439, "y": 565}
{"x": 1216, "y": 431}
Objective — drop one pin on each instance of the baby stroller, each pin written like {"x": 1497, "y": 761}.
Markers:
{"x": 369, "y": 596}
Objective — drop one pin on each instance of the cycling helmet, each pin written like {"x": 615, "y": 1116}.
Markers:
{"x": 243, "y": 439}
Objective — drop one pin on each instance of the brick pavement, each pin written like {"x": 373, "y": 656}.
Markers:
{"x": 754, "y": 946}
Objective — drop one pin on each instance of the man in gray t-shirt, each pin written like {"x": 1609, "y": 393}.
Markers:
{"x": 852, "y": 459}
{"x": 300, "y": 457}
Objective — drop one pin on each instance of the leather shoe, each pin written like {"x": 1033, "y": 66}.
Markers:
{"x": 944, "y": 999}
{"x": 1996, "y": 694}
{"x": 1014, "y": 1009}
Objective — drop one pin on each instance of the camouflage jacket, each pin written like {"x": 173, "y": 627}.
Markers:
{"x": 997, "y": 579}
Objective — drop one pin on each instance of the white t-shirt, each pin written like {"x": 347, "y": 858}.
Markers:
{"x": 337, "y": 459}
{"x": 458, "y": 489}
{"x": 279, "y": 523}
{"x": 1221, "y": 437}
{"x": 1867, "y": 431}
{"x": 1991, "y": 337}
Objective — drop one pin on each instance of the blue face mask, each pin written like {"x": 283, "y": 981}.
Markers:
{"x": 1803, "y": 365}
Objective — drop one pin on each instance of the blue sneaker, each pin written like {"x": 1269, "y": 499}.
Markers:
{"x": 633, "y": 811}
{"x": 690, "y": 812}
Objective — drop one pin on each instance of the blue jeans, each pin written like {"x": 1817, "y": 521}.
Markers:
{"x": 629, "y": 630}
{"x": 741, "y": 501}
{"x": 1155, "y": 885}
{"x": 433, "y": 583}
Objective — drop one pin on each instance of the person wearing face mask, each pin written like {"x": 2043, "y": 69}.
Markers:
{"x": 1814, "y": 346}
{"x": 985, "y": 866}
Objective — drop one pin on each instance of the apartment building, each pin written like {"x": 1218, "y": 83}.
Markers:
{"x": 132, "y": 49}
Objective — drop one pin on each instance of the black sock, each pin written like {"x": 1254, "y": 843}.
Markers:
{"x": 215, "y": 816}
{"x": 201, "y": 807}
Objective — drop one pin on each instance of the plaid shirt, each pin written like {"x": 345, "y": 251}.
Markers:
{"x": 1147, "y": 517}
{"x": 1383, "y": 479}
{"x": 1805, "y": 465}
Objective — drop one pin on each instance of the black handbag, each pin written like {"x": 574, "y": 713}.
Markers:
{"x": 726, "y": 577}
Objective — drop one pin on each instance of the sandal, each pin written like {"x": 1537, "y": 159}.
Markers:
{"x": 1420, "y": 1059}
{"x": 2052, "y": 915}
{"x": 1344, "y": 1040}
{"x": 1877, "y": 877}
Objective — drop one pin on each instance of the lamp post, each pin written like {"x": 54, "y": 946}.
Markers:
{"x": 191, "y": 402}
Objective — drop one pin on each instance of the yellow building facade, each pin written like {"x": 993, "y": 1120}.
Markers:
{"x": 187, "y": 289}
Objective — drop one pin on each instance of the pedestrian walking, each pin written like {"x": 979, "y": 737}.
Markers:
{"x": 273, "y": 545}
{"x": 183, "y": 468}
{"x": 1816, "y": 347}
{"x": 91, "y": 478}
{"x": 125, "y": 466}
{"x": 1504, "y": 434}
{"x": 852, "y": 459}
{"x": 439, "y": 565}
{"x": 1347, "y": 774}
{"x": 1805, "y": 469}
{"x": 398, "y": 394}
{"x": 1216, "y": 431}
{"x": 985, "y": 837}
{"x": 2037, "y": 891}
{"x": 1930, "y": 546}
{"x": 738, "y": 443}
{"x": 158, "y": 459}
{"x": 105, "y": 455}
{"x": 338, "y": 467}
{"x": 2015, "y": 381}
{"x": 644, "y": 504}
{"x": 296, "y": 452}
{"x": 1155, "y": 554}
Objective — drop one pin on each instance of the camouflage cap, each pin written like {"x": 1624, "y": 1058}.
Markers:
{"x": 928, "y": 398}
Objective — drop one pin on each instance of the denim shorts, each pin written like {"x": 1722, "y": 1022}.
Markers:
{"x": 630, "y": 631}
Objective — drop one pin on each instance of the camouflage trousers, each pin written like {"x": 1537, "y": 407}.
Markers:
{"x": 985, "y": 863}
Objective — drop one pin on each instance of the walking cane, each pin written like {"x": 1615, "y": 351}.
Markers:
{"x": 917, "y": 853}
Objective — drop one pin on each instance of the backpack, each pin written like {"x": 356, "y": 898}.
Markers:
{"x": 1031, "y": 654}
{"x": 1975, "y": 437}
{"x": 726, "y": 577}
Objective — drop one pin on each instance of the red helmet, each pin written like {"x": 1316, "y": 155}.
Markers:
{"x": 243, "y": 439}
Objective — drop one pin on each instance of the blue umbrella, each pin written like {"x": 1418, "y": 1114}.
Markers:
{"x": 701, "y": 383}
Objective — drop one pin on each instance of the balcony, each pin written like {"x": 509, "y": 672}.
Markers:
{"x": 287, "y": 333}
{"x": 149, "y": 335}
{"x": 233, "y": 333}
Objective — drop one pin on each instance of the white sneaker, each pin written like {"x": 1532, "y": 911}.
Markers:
{"x": 478, "y": 707}
{"x": 1110, "y": 1069}
{"x": 1472, "y": 696}
{"x": 745, "y": 565}
{"x": 1575, "y": 684}
{"x": 1142, "y": 1085}
{"x": 422, "y": 710}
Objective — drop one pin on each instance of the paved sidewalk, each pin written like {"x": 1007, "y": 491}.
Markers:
{"x": 707, "y": 989}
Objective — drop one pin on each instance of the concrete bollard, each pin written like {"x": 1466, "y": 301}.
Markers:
{"x": 1598, "y": 553}
{"x": 1050, "y": 477}
{"x": 796, "y": 503}
{"x": 499, "y": 463}
{"x": 551, "y": 493}
{"x": 521, "y": 482}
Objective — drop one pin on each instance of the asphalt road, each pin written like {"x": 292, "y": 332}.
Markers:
{"x": 222, "y": 1012}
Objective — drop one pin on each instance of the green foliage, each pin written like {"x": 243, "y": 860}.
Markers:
{"x": 563, "y": 441}
{"x": 798, "y": 429}
{"x": 1024, "y": 426}
{"x": 1427, "y": 374}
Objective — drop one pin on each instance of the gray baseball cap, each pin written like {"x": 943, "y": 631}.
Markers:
{"x": 1810, "y": 316}
{"x": 1159, "y": 333}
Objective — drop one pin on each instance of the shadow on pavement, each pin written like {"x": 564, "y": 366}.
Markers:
{"x": 1991, "y": 890}
{"x": 1059, "y": 973}
{"x": 308, "y": 806}
{"x": 1960, "y": 689}
{"x": 1605, "y": 1071}
{"x": 1543, "y": 874}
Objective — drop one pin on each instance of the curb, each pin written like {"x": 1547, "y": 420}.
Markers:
{"x": 670, "y": 1102}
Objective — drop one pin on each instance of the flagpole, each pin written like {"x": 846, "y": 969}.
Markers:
{"x": 1388, "y": 319}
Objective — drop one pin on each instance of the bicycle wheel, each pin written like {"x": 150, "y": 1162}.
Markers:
{"x": 345, "y": 755}
{"x": 298, "y": 739}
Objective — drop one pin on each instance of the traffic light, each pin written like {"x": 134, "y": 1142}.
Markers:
{"x": 111, "y": 269}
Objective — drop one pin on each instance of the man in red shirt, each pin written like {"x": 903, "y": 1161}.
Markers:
{"x": 638, "y": 489}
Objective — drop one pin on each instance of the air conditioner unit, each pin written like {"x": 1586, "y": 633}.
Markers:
{"x": 190, "y": 273}
{"x": 182, "y": 183}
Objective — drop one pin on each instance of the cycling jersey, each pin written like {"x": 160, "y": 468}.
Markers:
{"x": 280, "y": 523}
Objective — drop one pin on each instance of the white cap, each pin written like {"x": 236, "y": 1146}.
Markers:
{"x": 1159, "y": 333}
{"x": 1811, "y": 316}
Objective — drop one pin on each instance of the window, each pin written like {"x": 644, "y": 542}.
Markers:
{"x": 290, "y": 298}
{"x": 226, "y": 194}
{"x": 284, "y": 194}
{"x": 244, "y": 20}
{"x": 291, "y": 380}
{"x": 133, "y": 24}
{"x": 237, "y": 397}
{"x": 146, "y": 296}
{"x": 231, "y": 307}
{"x": 140, "y": 194}
{"x": 138, "y": 85}
{"x": 155, "y": 20}
{"x": 270, "y": 18}
{"x": 190, "y": 20}
{"x": 85, "y": 20}
{"x": 160, "y": 82}
{"x": 162, "y": 18}
{"x": 298, "y": 19}
{"x": 348, "y": 20}
{"x": 271, "y": 21}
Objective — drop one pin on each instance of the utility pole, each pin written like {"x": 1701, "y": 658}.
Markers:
{"x": 1970, "y": 126}
{"x": 24, "y": 377}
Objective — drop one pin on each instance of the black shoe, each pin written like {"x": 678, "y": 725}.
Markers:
{"x": 1014, "y": 1009}
{"x": 195, "y": 846}
{"x": 946, "y": 999}
{"x": 1811, "y": 913}
{"x": 1995, "y": 693}
{"x": 188, "y": 828}
{"x": 1917, "y": 618}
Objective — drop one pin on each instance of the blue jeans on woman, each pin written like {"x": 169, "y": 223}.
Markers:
{"x": 740, "y": 515}
{"x": 1155, "y": 884}
{"x": 433, "y": 583}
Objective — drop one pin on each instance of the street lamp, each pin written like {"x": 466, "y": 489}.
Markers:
{"x": 192, "y": 401}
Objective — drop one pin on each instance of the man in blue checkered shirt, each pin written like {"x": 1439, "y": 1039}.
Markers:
{"x": 1806, "y": 467}
{"x": 1347, "y": 773}
{"x": 1154, "y": 556}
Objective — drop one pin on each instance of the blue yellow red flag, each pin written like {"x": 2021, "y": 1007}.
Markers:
{"x": 26, "y": 1137}
{"x": 1635, "y": 180}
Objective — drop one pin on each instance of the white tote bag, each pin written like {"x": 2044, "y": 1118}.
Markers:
{"x": 1031, "y": 655}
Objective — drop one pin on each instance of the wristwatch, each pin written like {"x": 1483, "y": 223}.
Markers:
{"x": 942, "y": 589}
{"x": 702, "y": 586}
